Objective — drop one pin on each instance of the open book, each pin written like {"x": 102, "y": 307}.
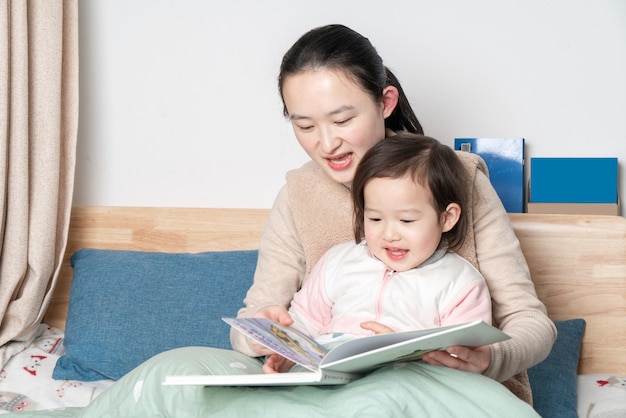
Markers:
{"x": 346, "y": 361}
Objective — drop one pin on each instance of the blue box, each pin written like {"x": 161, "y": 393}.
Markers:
{"x": 573, "y": 180}
{"x": 505, "y": 160}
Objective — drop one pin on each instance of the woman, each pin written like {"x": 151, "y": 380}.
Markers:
{"x": 340, "y": 100}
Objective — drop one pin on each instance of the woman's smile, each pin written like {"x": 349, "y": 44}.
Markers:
{"x": 340, "y": 162}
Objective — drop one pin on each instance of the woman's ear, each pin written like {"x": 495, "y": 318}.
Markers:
{"x": 450, "y": 216}
{"x": 390, "y": 100}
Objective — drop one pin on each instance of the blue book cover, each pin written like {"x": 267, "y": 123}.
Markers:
{"x": 505, "y": 160}
{"x": 573, "y": 180}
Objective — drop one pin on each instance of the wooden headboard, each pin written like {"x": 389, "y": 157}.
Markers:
{"x": 578, "y": 265}
{"x": 578, "y": 262}
{"x": 153, "y": 229}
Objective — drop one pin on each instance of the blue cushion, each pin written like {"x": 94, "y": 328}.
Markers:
{"x": 553, "y": 381}
{"x": 126, "y": 306}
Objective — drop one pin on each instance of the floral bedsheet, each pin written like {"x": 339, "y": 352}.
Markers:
{"x": 601, "y": 396}
{"x": 26, "y": 382}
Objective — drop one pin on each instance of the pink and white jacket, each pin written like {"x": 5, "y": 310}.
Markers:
{"x": 349, "y": 286}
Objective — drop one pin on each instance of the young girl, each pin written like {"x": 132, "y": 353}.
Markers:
{"x": 408, "y": 194}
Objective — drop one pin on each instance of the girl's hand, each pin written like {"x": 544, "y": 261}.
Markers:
{"x": 376, "y": 327}
{"x": 468, "y": 359}
{"x": 276, "y": 363}
{"x": 275, "y": 313}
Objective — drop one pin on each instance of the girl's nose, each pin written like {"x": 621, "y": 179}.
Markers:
{"x": 389, "y": 233}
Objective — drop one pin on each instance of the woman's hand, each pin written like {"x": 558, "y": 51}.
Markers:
{"x": 474, "y": 360}
{"x": 276, "y": 363}
{"x": 275, "y": 313}
{"x": 376, "y": 327}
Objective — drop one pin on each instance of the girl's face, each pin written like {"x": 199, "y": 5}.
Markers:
{"x": 402, "y": 228}
{"x": 334, "y": 119}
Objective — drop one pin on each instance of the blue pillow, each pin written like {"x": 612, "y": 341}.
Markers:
{"x": 127, "y": 306}
{"x": 553, "y": 381}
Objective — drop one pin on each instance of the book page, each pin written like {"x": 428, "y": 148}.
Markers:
{"x": 359, "y": 355}
{"x": 286, "y": 341}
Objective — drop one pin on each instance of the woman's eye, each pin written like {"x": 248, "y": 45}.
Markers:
{"x": 343, "y": 121}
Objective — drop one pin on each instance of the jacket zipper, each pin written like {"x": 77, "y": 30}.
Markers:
{"x": 387, "y": 276}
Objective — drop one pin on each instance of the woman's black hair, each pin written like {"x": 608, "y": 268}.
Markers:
{"x": 429, "y": 163}
{"x": 338, "y": 47}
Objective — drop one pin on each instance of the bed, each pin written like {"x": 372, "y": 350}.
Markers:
{"x": 122, "y": 263}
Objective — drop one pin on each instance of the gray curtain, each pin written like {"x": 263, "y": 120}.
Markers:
{"x": 38, "y": 128}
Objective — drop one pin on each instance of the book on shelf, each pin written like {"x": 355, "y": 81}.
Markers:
{"x": 346, "y": 361}
{"x": 505, "y": 160}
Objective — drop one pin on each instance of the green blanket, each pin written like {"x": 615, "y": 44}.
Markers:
{"x": 409, "y": 389}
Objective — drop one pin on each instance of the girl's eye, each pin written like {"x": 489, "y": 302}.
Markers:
{"x": 407, "y": 221}
{"x": 373, "y": 219}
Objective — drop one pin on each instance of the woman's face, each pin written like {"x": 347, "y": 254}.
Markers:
{"x": 334, "y": 119}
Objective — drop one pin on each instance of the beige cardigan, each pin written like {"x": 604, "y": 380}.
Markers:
{"x": 312, "y": 212}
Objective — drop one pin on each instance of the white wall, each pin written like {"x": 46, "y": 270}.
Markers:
{"x": 179, "y": 105}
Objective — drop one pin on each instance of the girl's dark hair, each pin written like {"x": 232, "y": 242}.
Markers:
{"x": 429, "y": 163}
{"x": 338, "y": 47}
